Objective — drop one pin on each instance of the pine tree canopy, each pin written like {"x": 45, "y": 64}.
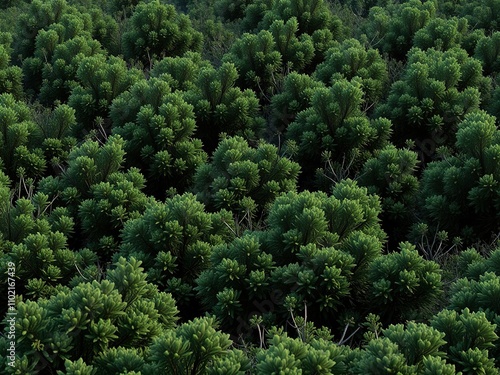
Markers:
{"x": 250, "y": 187}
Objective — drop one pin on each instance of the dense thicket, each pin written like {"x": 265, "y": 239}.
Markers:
{"x": 250, "y": 187}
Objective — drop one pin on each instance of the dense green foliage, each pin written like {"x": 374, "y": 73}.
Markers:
{"x": 249, "y": 187}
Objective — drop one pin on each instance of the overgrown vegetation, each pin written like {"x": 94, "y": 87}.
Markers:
{"x": 250, "y": 187}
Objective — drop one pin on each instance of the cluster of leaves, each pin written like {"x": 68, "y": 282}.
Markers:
{"x": 436, "y": 91}
{"x": 157, "y": 30}
{"x": 174, "y": 240}
{"x": 394, "y": 26}
{"x": 243, "y": 179}
{"x": 158, "y": 127}
{"x": 10, "y": 76}
{"x": 319, "y": 254}
{"x": 449, "y": 199}
{"x": 335, "y": 132}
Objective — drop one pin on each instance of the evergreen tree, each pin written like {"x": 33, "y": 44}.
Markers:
{"x": 294, "y": 36}
{"x": 263, "y": 59}
{"x": 120, "y": 361}
{"x": 381, "y": 356}
{"x": 436, "y": 90}
{"x": 391, "y": 174}
{"x": 87, "y": 166}
{"x": 76, "y": 367}
{"x": 113, "y": 201}
{"x": 40, "y": 15}
{"x": 293, "y": 356}
{"x": 256, "y": 57}
{"x": 350, "y": 59}
{"x": 231, "y": 10}
{"x": 105, "y": 29}
{"x": 21, "y": 156}
{"x": 478, "y": 291}
{"x": 182, "y": 70}
{"x": 313, "y": 255}
{"x": 60, "y": 43}
{"x": 488, "y": 52}
{"x": 482, "y": 14}
{"x": 441, "y": 34}
{"x": 217, "y": 36}
{"x": 98, "y": 196}
{"x": 22, "y": 216}
{"x": 403, "y": 279}
{"x": 59, "y": 76}
{"x": 243, "y": 179}
{"x": 84, "y": 322}
{"x": 362, "y": 7}
{"x": 469, "y": 336}
{"x": 221, "y": 106}
{"x": 197, "y": 348}
{"x": 157, "y": 30}
{"x": 414, "y": 349}
{"x": 43, "y": 259}
{"x": 493, "y": 107}
{"x": 314, "y": 18}
{"x": 55, "y": 129}
{"x": 100, "y": 80}
{"x": 466, "y": 207}
{"x": 303, "y": 218}
{"x": 158, "y": 127}
{"x": 39, "y": 62}
{"x": 416, "y": 341}
{"x": 334, "y": 132}
{"x": 174, "y": 240}
{"x": 123, "y": 8}
{"x": 393, "y": 27}
{"x": 295, "y": 96}
{"x": 10, "y": 76}
{"x": 239, "y": 275}
{"x": 5, "y": 194}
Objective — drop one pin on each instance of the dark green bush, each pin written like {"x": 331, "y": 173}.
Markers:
{"x": 243, "y": 179}
{"x": 156, "y": 30}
